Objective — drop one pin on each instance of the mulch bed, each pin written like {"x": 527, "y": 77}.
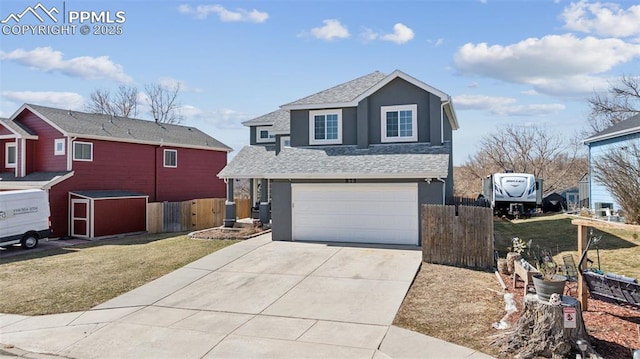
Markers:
{"x": 615, "y": 329}
{"x": 229, "y": 233}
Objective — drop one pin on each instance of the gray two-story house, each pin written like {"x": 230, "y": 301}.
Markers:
{"x": 352, "y": 163}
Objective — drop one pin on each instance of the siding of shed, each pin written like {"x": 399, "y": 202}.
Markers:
{"x": 118, "y": 216}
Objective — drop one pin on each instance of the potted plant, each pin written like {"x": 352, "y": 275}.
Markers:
{"x": 548, "y": 281}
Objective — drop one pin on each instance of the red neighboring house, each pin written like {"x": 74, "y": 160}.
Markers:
{"x": 100, "y": 170}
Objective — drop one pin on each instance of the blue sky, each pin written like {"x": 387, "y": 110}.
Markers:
{"x": 503, "y": 62}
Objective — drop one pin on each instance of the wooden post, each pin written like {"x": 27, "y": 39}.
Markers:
{"x": 582, "y": 288}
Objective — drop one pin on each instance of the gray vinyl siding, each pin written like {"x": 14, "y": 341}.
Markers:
{"x": 361, "y": 125}
{"x": 252, "y": 135}
{"x": 281, "y": 212}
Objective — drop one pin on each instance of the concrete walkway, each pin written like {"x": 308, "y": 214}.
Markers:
{"x": 255, "y": 299}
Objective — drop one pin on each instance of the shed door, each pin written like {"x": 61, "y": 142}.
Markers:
{"x": 80, "y": 218}
{"x": 355, "y": 212}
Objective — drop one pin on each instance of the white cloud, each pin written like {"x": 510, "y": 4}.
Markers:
{"x": 401, "y": 34}
{"x": 86, "y": 67}
{"x": 473, "y": 85}
{"x": 606, "y": 19}
{"x": 503, "y": 106}
{"x": 224, "y": 119}
{"x": 368, "y": 35}
{"x": 552, "y": 64}
{"x": 171, "y": 83}
{"x": 331, "y": 30}
{"x": 239, "y": 15}
{"x": 64, "y": 100}
{"x": 530, "y": 92}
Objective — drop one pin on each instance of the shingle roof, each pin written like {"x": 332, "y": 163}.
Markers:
{"x": 9, "y": 181}
{"x": 345, "y": 92}
{"x": 378, "y": 161}
{"x": 16, "y": 128}
{"x": 250, "y": 162}
{"x": 32, "y": 177}
{"x": 350, "y": 93}
{"x": 89, "y": 125}
{"x": 279, "y": 119}
{"x": 628, "y": 126}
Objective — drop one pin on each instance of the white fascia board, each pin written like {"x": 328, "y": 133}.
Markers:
{"x": 100, "y": 198}
{"x": 451, "y": 113}
{"x": 412, "y": 80}
{"x": 58, "y": 179}
{"x": 42, "y": 117}
{"x": 80, "y": 136}
{"x": 628, "y": 131}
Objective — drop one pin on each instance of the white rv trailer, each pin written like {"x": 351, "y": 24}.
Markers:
{"x": 513, "y": 194}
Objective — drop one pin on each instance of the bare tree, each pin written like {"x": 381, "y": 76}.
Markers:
{"x": 123, "y": 104}
{"x": 619, "y": 171}
{"x": 621, "y": 101}
{"x": 532, "y": 150}
{"x": 163, "y": 103}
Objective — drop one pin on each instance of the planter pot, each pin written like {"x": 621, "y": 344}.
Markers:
{"x": 545, "y": 287}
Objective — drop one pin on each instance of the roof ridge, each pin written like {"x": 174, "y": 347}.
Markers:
{"x": 345, "y": 84}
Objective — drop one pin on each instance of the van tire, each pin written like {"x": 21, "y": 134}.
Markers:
{"x": 29, "y": 241}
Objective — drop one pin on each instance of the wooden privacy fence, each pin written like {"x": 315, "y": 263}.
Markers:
{"x": 465, "y": 239}
{"x": 163, "y": 217}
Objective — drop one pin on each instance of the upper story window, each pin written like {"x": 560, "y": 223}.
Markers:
{"x": 82, "y": 151}
{"x": 10, "y": 155}
{"x": 325, "y": 127}
{"x": 399, "y": 123}
{"x": 58, "y": 147}
{"x": 171, "y": 158}
{"x": 264, "y": 135}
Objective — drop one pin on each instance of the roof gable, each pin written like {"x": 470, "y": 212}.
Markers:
{"x": 15, "y": 129}
{"x": 350, "y": 93}
{"x": 622, "y": 128}
{"x": 279, "y": 119}
{"x": 122, "y": 129}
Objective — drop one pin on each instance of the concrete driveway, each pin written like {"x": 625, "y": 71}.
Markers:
{"x": 257, "y": 298}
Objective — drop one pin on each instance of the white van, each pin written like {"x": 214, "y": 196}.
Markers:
{"x": 24, "y": 217}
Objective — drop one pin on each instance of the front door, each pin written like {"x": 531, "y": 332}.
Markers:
{"x": 80, "y": 218}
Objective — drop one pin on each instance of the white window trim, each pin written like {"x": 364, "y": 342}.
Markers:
{"x": 312, "y": 140}
{"x": 82, "y": 143}
{"x": 56, "y": 142}
{"x": 164, "y": 158}
{"x": 6, "y": 155}
{"x": 270, "y": 139}
{"x": 414, "y": 123}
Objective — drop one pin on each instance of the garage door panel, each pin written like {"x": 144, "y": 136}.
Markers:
{"x": 367, "y": 213}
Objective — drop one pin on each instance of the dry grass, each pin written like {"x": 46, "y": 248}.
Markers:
{"x": 619, "y": 249}
{"x": 77, "y": 278}
{"x": 453, "y": 304}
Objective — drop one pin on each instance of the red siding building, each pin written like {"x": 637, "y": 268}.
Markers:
{"x": 76, "y": 155}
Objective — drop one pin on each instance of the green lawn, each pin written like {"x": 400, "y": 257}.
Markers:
{"x": 619, "y": 250}
{"x": 79, "y": 277}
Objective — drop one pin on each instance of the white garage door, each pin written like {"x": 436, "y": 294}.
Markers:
{"x": 355, "y": 212}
